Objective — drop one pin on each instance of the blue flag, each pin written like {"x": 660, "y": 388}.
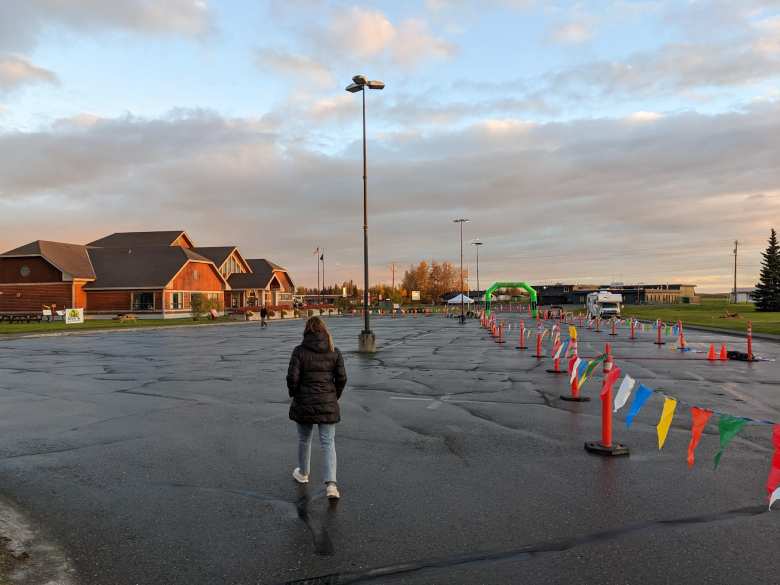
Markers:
{"x": 641, "y": 396}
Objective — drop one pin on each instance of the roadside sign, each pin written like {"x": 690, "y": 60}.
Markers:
{"x": 73, "y": 316}
{"x": 415, "y": 295}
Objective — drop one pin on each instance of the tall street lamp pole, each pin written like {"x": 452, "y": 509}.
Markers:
{"x": 367, "y": 340}
{"x": 461, "y": 221}
{"x": 477, "y": 243}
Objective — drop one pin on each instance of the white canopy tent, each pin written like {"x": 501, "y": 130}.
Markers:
{"x": 457, "y": 300}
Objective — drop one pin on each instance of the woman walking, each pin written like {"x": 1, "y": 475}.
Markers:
{"x": 315, "y": 380}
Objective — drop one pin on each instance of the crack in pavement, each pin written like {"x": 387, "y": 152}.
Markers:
{"x": 68, "y": 449}
{"x": 115, "y": 418}
{"x": 531, "y": 434}
{"x": 524, "y": 553}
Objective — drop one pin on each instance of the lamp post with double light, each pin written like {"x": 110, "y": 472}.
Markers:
{"x": 367, "y": 339}
{"x": 461, "y": 221}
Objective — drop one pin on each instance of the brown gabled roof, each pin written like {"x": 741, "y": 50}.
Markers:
{"x": 68, "y": 258}
{"x": 219, "y": 254}
{"x": 141, "y": 267}
{"x": 262, "y": 272}
{"x": 137, "y": 239}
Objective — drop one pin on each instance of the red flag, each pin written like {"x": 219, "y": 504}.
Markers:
{"x": 609, "y": 381}
{"x": 773, "y": 481}
{"x": 700, "y": 416}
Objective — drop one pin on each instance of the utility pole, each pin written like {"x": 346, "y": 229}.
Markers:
{"x": 317, "y": 256}
{"x": 392, "y": 291}
{"x": 477, "y": 243}
{"x": 322, "y": 258}
{"x": 736, "y": 247}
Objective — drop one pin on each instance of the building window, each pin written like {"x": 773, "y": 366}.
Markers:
{"x": 194, "y": 274}
{"x": 24, "y": 271}
{"x": 143, "y": 301}
{"x": 177, "y": 300}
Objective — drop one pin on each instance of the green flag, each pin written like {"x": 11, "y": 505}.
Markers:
{"x": 593, "y": 363}
{"x": 728, "y": 427}
{"x": 590, "y": 367}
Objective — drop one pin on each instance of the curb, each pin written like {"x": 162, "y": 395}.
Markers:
{"x": 28, "y": 557}
{"x": 4, "y": 336}
{"x": 732, "y": 332}
{"x": 118, "y": 330}
{"x": 762, "y": 336}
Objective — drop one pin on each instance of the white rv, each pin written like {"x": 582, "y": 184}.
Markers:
{"x": 604, "y": 304}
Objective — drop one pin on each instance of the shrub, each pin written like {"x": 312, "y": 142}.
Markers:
{"x": 198, "y": 306}
{"x": 201, "y": 305}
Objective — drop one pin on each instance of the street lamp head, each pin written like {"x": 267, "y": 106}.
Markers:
{"x": 477, "y": 242}
{"x": 461, "y": 220}
{"x": 360, "y": 82}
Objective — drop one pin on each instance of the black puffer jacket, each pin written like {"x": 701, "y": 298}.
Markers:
{"x": 315, "y": 379}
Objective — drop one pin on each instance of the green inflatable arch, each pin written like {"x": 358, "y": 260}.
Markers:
{"x": 524, "y": 285}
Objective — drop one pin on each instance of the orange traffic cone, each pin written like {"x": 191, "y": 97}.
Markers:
{"x": 711, "y": 353}
{"x": 724, "y": 354}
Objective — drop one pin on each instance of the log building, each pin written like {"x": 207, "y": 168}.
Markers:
{"x": 149, "y": 274}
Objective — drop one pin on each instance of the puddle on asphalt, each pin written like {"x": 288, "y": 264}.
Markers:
{"x": 310, "y": 510}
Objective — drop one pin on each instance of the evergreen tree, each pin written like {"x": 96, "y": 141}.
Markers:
{"x": 767, "y": 294}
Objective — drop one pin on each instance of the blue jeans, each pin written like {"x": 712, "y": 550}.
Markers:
{"x": 328, "y": 444}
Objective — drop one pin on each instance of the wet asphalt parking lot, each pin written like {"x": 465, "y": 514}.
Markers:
{"x": 164, "y": 457}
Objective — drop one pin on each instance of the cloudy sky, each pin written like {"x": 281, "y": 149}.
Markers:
{"x": 612, "y": 140}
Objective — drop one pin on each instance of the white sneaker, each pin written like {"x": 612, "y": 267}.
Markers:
{"x": 299, "y": 477}
{"x": 332, "y": 491}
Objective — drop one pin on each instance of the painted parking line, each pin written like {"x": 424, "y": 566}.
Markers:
{"x": 447, "y": 398}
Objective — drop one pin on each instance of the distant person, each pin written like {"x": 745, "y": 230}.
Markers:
{"x": 263, "y": 316}
{"x": 315, "y": 380}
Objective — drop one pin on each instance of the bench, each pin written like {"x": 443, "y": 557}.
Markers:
{"x": 19, "y": 317}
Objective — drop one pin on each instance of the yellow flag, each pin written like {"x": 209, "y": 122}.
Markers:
{"x": 665, "y": 421}
{"x": 573, "y": 332}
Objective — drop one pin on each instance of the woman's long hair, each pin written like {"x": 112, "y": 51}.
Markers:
{"x": 317, "y": 325}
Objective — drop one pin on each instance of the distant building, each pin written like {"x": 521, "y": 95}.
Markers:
{"x": 670, "y": 294}
{"x": 633, "y": 294}
{"x": 150, "y": 274}
{"x": 744, "y": 295}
